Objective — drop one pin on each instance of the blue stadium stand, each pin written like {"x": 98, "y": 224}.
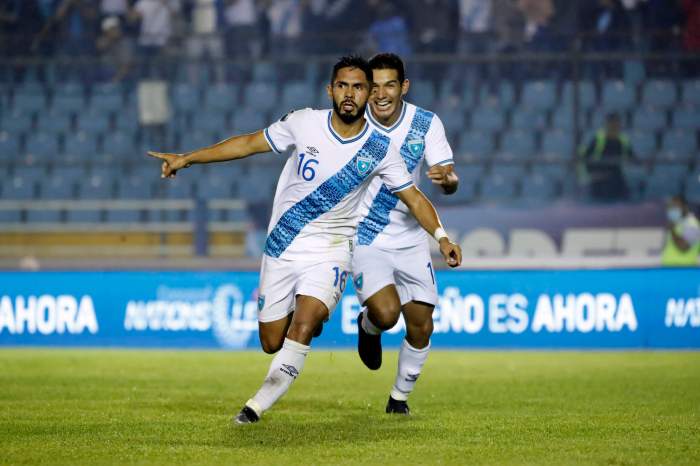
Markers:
{"x": 539, "y": 95}
{"x": 635, "y": 177}
{"x": 554, "y": 172}
{"x": 488, "y": 118}
{"x": 25, "y": 100}
{"x": 69, "y": 174}
{"x": 659, "y": 186}
{"x": 249, "y": 119}
{"x": 692, "y": 187}
{"x": 221, "y": 98}
{"x": 185, "y": 98}
{"x": 454, "y": 123}
{"x": 512, "y": 172}
{"x": 502, "y": 96}
{"x": 686, "y": 117}
{"x": 93, "y": 121}
{"x": 68, "y": 103}
{"x": 57, "y": 188}
{"x": 658, "y": 93}
{"x": 42, "y": 147}
{"x": 557, "y": 145}
{"x": 213, "y": 122}
{"x": 679, "y": 142}
{"x": 18, "y": 188}
{"x": 264, "y": 71}
{"x": 649, "y": 118}
{"x": 422, "y": 93}
{"x": 538, "y": 187}
{"x": 643, "y": 143}
{"x": 521, "y": 144}
{"x": 497, "y": 188}
{"x": 296, "y": 95}
{"x": 586, "y": 95}
{"x": 563, "y": 119}
{"x": 475, "y": 145}
{"x": 691, "y": 92}
{"x": 261, "y": 96}
{"x": 117, "y": 145}
{"x": 528, "y": 119}
{"x": 16, "y": 121}
{"x": 9, "y": 146}
{"x": 80, "y": 146}
{"x": 54, "y": 122}
{"x": 107, "y": 98}
{"x": 618, "y": 96}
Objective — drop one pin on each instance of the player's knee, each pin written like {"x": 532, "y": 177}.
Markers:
{"x": 386, "y": 317}
{"x": 271, "y": 345}
{"x": 420, "y": 332}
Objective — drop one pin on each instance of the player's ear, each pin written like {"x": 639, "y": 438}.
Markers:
{"x": 329, "y": 90}
{"x": 404, "y": 87}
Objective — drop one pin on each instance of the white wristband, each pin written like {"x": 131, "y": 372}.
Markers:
{"x": 439, "y": 234}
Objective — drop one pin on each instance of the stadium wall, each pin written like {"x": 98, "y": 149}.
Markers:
{"x": 589, "y": 309}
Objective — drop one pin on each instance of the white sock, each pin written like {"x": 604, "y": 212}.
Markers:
{"x": 285, "y": 368}
{"x": 367, "y": 324}
{"x": 411, "y": 362}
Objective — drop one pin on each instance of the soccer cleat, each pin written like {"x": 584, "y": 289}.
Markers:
{"x": 397, "y": 407}
{"x": 246, "y": 416}
{"x": 369, "y": 346}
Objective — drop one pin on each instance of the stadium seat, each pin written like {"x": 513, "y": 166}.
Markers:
{"x": 660, "y": 187}
{"x": 454, "y": 123}
{"x": 261, "y": 96}
{"x": 33, "y": 173}
{"x": 221, "y": 98}
{"x": 42, "y": 146}
{"x": 539, "y": 95}
{"x": 635, "y": 176}
{"x": 96, "y": 186}
{"x": 133, "y": 187}
{"x": 658, "y": 93}
{"x": 53, "y": 122}
{"x": 519, "y": 143}
{"x": 57, "y": 188}
{"x": 214, "y": 187}
{"x": 16, "y": 121}
{"x": 68, "y": 103}
{"x": 563, "y": 119}
{"x": 538, "y": 187}
{"x": 648, "y": 118}
{"x": 247, "y": 120}
{"x": 513, "y": 172}
{"x": 680, "y": 142}
{"x": 692, "y": 188}
{"x": 617, "y": 96}
{"x": 670, "y": 171}
{"x": 643, "y": 144}
{"x": 422, "y": 93}
{"x": 501, "y": 96}
{"x": 257, "y": 187}
{"x": 488, "y": 118}
{"x": 29, "y": 102}
{"x": 691, "y": 92}
{"x": 296, "y": 95}
{"x": 210, "y": 121}
{"x": 18, "y": 188}
{"x": 9, "y": 146}
{"x": 93, "y": 121}
{"x": 185, "y": 97}
{"x": 557, "y": 145}
{"x": 80, "y": 146}
{"x": 496, "y": 188}
{"x": 198, "y": 138}
{"x": 475, "y": 145}
{"x": 117, "y": 145}
{"x": 528, "y": 119}
{"x": 634, "y": 72}
{"x": 686, "y": 118}
{"x": 554, "y": 172}
{"x": 264, "y": 71}
{"x": 586, "y": 95}
{"x": 70, "y": 174}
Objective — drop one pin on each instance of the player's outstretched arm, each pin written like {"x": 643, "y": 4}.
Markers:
{"x": 445, "y": 176}
{"x": 427, "y": 216}
{"x": 233, "y": 148}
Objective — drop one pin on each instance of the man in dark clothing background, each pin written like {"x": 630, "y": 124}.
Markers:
{"x": 602, "y": 160}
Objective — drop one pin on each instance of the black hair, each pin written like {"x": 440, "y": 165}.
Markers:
{"x": 352, "y": 61}
{"x": 389, "y": 61}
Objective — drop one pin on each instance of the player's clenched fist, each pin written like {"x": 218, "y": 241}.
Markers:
{"x": 451, "y": 252}
{"x": 171, "y": 163}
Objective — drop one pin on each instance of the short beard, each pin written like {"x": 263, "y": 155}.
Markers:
{"x": 348, "y": 118}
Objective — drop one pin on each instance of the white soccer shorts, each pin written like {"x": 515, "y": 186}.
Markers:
{"x": 409, "y": 269}
{"x": 282, "y": 280}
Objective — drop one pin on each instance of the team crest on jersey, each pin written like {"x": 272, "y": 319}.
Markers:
{"x": 363, "y": 163}
{"x": 261, "y": 302}
{"x": 416, "y": 146}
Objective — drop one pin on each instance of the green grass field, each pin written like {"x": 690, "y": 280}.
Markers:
{"x": 152, "y": 407}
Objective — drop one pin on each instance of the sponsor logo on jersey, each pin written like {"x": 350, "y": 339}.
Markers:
{"x": 363, "y": 164}
{"x": 312, "y": 150}
{"x": 261, "y": 302}
{"x": 416, "y": 146}
{"x": 358, "y": 281}
{"x": 289, "y": 370}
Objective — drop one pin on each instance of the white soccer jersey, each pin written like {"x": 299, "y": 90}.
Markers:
{"x": 386, "y": 221}
{"x": 318, "y": 196}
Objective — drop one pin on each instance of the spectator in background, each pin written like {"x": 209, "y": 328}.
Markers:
{"x": 118, "y": 8}
{"x": 243, "y": 38}
{"x": 332, "y": 25}
{"x": 683, "y": 235}
{"x": 116, "y": 51}
{"x": 156, "y": 28}
{"x": 434, "y": 32}
{"x": 388, "y": 31}
{"x": 475, "y": 26}
{"x": 602, "y": 161}
{"x": 203, "y": 39}
{"x": 75, "y": 24}
{"x": 607, "y": 28}
{"x": 509, "y": 25}
{"x": 691, "y": 27}
{"x": 20, "y": 22}
{"x": 285, "y": 19}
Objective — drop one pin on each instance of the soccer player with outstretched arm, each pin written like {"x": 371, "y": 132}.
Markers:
{"x": 308, "y": 249}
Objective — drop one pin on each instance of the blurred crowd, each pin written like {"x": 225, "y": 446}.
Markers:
{"x": 282, "y": 28}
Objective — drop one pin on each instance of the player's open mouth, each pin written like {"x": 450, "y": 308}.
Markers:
{"x": 349, "y": 106}
{"x": 382, "y": 105}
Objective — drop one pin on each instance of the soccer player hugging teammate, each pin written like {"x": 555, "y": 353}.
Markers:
{"x": 391, "y": 262}
{"x": 307, "y": 257}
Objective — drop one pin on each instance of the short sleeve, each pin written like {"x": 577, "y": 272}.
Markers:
{"x": 393, "y": 171}
{"x": 437, "y": 149}
{"x": 690, "y": 231}
{"x": 280, "y": 134}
